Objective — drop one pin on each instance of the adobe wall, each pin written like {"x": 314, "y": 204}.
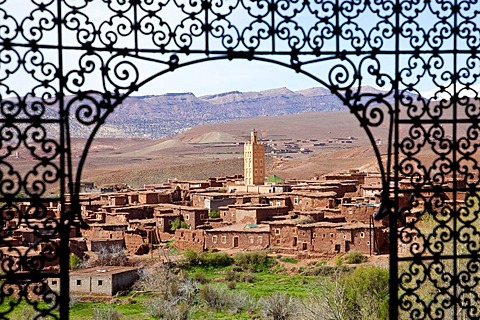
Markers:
{"x": 123, "y": 281}
{"x": 266, "y": 213}
{"x": 100, "y": 233}
{"x": 116, "y": 218}
{"x": 312, "y": 202}
{"x": 185, "y": 238}
{"x": 304, "y": 238}
{"x": 164, "y": 223}
{"x": 136, "y": 212}
{"x": 282, "y": 235}
{"x": 324, "y": 239}
{"x": 358, "y": 212}
{"x": 246, "y": 240}
{"x": 165, "y": 236}
{"x": 97, "y": 245}
{"x": 135, "y": 244}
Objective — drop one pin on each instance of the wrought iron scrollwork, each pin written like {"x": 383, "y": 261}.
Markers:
{"x": 69, "y": 62}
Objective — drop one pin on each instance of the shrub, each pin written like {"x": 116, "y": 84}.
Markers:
{"x": 74, "y": 261}
{"x": 174, "y": 309}
{"x": 219, "y": 299}
{"x": 326, "y": 271}
{"x": 354, "y": 257}
{"x": 214, "y": 214}
{"x": 231, "y": 275}
{"x": 231, "y": 284}
{"x": 109, "y": 256}
{"x": 215, "y": 297}
{"x": 106, "y": 313}
{"x": 321, "y": 263}
{"x": 338, "y": 261}
{"x": 191, "y": 257}
{"x": 200, "y": 277}
{"x": 289, "y": 260}
{"x": 167, "y": 284}
{"x": 367, "y": 290}
{"x": 247, "y": 277}
{"x": 178, "y": 223}
{"x": 207, "y": 259}
{"x": 278, "y": 306}
{"x": 215, "y": 259}
{"x": 254, "y": 260}
{"x": 327, "y": 301}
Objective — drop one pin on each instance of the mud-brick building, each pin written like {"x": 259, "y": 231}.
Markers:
{"x": 192, "y": 216}
{"x": 364, "y": 238}
{"x": 102, "y": 235}
{"x": 154, "y": 197}
{"x": 353, "y": 174}
{"x": 186, "y": 238}
{"x": 117, "y": 200}
{"x": 20, "y": 256}
{"x": 305, "y": 201}
{"x": 133, "y": 212}
{"x": 190, "y": 185}
{"x": 165, "y": 220}
{"x": 212, "y": 200}
{"x": 258, "y": 214}
{"x": 250, "y": 213}
{"x": 334, "y": 238}
{"x": 358, "y": 211}
{"x": 238, "y": 236}
{"x": 284, "y": 235}
{"x": 324, "y": 237}
{"x": 371, "y": 190}
{"x": 99, "y": 280}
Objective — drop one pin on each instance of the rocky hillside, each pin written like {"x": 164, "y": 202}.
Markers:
{"x": 169, "y": 114}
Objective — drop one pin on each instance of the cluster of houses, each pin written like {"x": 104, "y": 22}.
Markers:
{"x": 307, "y": 218}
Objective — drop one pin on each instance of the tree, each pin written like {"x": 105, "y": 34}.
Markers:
{"x": 178, "y": 223}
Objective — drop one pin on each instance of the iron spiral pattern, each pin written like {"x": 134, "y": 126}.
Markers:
{"x": 67, "y": 64}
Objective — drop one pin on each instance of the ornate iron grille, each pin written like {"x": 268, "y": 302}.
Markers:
{"x": 67, "y": 61}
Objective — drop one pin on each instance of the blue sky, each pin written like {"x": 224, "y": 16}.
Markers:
{"x": 220, "y": 76}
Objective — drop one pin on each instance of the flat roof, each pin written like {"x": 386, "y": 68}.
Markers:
{"x": 102, "y": 270}
{"x": 242, "y": 228}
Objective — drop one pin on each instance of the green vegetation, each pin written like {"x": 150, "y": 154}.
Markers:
{"x": 289, "y": 260}
{"x": 354, "y": 257}
{"x": 206, "y": 259}
{"x": 75, "y": 261}
{"x": 178, "y": 223}
{"x": 214, "y": 214}
{"x": 255, "y": 261}
{"x": 249, "y": 285}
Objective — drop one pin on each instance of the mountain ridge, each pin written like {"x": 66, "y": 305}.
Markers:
{"x": 161, "y": 116}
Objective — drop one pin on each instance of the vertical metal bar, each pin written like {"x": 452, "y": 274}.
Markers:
{"x": 337, "y": 27}
{"x": 393, "y": 282}
{"x": 454, "y": 161}
{"x": 206, "y": 28}
{"x": 135, "y": 26}
{"x": 272, "y": 28}
{"x": 64, "y": 221}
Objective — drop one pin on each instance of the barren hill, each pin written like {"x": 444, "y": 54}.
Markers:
{"x": 213, "y": 150}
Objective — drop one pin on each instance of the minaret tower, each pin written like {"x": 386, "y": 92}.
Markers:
{"x": 254, "y": 161}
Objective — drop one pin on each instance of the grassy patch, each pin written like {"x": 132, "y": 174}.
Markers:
{"x": 288, "y": 260}
{"x": 267, "y": 283}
